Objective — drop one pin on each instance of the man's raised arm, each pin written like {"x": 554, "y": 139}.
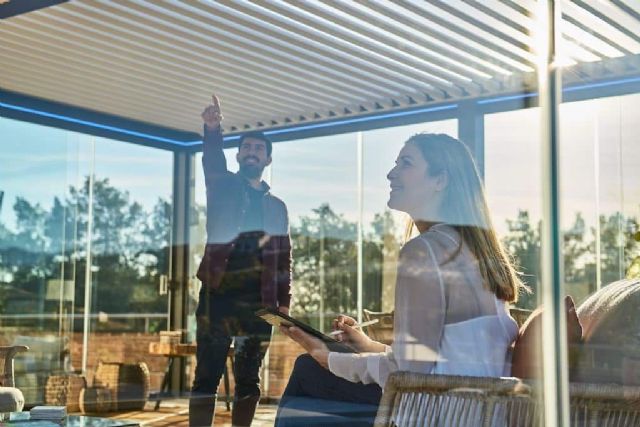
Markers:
{"x": 213, "y": 160}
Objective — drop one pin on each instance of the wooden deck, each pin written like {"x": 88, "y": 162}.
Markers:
{"x": 175, "y": 413}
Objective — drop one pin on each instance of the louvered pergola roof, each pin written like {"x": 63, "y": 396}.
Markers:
{"x": 277, "y": 63}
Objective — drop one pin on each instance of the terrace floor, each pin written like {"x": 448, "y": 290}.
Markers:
{"x": 175, "y": 413}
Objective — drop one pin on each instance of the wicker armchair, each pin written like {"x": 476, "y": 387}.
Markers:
{"x": 411, "y": 399}
{"x": 11, "y": 398}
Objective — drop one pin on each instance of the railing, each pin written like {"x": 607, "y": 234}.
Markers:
{"x": 101, "y": 317}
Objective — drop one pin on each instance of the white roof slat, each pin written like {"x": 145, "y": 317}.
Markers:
{"x": 37, "y": 83}
{"x": 110, "y": 88}
{"x": 255, "y": 25}
{"x": 529, "y": 5}
{"x": 425, "y": 23}
{"x": 410, "y": 81}
{"x": 89, "y": 99}
{"x": 131, "y": 75}
{"x": 330, "y": 37}
{"x": 617, "y": 17}
{"x": 633, "y": 5}
{"x": 472, "y": 9}
{"x": 481, "y": 41}
{"x": 359, "y": 34}
{"x": 432, "y": 40}
{"x": 600, "y": 27}
{"x": 397, "y": 40}
{"x": 575, "y": 50}
{"x": 587, "y": 39}
{"x": 509, "y": 13}
{"x": 133, "y": 22}
{"x": 415, "y": 43}
{"x": 251, "y": 43}
{"x": 147, "y": 53}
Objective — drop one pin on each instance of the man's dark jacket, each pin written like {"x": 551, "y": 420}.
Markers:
{"x": 227, "y": 202}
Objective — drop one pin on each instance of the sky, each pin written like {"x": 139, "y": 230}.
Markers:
{"x": 599, "y": 160}
{"x": 38, "y": 163}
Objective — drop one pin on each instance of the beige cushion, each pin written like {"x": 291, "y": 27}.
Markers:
{"x": 611, "y": 321}
{"x": 11, "y": 399}
{"x": 527, "y": 360}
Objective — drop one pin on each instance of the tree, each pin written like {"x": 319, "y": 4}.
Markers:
{"x": 618, "y": 245}
{"x": 130, "y": 249}
{"x": 29, "y": 224}
{"x": 325, "y": 262}
{"x": 522, "y": 243}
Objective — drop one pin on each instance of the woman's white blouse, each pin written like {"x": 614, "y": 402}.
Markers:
{"x": 445, "y": 321}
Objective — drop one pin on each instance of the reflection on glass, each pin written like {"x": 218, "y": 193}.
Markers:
{"x": 453, "y": 285}
{"x": 384, "y": 229}
{"x": 51, "y": 180}
{"x": 317, "y": 178}
{"x": 514, "y": 190}
{"x": 600, "y": 194}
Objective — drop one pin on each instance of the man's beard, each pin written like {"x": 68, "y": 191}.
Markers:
{"x": 251, "y": 171}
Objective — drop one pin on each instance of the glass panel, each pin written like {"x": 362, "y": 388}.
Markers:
{"x": 41, "y": 251}
{"x": 64, "y": 196}
{"x": 320, "y": 189}
{"x": 512, "y": 144}
{"x": 131, "y": 254}
{"x": 600, "y": 193}
{"x": 198, "y": 235}
{"x": 383, "y": 228}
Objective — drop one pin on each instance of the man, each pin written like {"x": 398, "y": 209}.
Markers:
{"x": 246, "y": 265}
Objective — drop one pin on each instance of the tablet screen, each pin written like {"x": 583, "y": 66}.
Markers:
{"x": 275, "y": 318}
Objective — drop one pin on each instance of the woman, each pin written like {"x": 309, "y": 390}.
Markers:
{"x": 453, "y": 284}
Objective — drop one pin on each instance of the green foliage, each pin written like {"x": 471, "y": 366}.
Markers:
{"x": 325, "y": 263}
{"x": 615, "y": 251}
{"x": 130, "y": 250}
{"x": 522, "y": 243}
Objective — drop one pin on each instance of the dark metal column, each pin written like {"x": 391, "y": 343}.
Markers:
{"x": 554, "y": 341}
{"x": 183, "y": 201}
{"x": 471, "y": 131}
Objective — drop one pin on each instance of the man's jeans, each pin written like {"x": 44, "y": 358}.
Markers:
{"x": 215, "y": 332}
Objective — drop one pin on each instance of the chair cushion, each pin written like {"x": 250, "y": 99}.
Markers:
{"x": 611, "y": 321}
{"x": 11, "y": 399}
{"x": 527, "y": 361}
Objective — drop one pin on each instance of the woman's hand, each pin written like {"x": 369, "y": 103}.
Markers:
{"x": 316, "y": 348}
{"x": 354, "y": 337}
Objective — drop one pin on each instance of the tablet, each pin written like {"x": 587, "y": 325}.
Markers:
{"x": 273, "y": 317}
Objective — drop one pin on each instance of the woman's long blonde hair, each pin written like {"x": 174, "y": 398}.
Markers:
{"x": 464, "y": 207}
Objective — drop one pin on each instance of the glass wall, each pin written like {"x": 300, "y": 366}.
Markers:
{"x": 69, "y": 200}
{"x": 111, "y": 203}
{"x": 598, "y": 195}
{"x": 514, "y": 190}
{"x": 86, "y": 223}
{"x": 317, "y": 178}
{"x": 600, "y": 200}
{"x": 600, "y": 160}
